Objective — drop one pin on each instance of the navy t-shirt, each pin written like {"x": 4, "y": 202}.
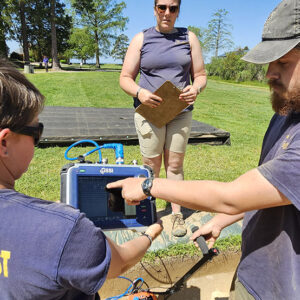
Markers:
{"x": 270, "y": 263}
{"x": 49, "y": 250}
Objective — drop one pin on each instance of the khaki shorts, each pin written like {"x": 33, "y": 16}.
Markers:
{"x": 173, "y": 136}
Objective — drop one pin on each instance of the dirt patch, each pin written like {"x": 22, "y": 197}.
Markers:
{"x": 210, "y": 282}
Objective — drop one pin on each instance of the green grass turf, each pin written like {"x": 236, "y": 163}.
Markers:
{"x": 243, "y": 110}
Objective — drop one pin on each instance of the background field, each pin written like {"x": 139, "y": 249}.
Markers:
{"x": 242, "y": 110}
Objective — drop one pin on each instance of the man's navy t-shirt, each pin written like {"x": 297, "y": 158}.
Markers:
{"x": 270, "y": 263}
{"x": 49, "y": 250}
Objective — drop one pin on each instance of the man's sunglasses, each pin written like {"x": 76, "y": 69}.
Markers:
{"x": 162, "y": 8}
{"x": 34, "y": 131}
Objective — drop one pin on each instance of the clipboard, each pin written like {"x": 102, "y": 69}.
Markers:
{"x": 169, "y": 108}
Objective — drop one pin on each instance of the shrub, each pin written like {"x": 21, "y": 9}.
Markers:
{"x": 231, "y": 67}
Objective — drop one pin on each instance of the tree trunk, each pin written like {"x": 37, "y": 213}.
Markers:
{"x": 55, "y": 61}
{"x": 24, "y": 32}
{"x": 3, "y": 45}
{"x": 97, "y": 50}
{"x": 218, "y": 39}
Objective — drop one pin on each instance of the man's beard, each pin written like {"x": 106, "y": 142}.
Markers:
{"x": 283, "y": 101}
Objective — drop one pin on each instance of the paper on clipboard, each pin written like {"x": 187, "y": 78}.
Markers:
{"x": 169, "y": 108}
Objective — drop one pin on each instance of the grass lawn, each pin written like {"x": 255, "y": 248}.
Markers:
{"x": 242, "y": 110}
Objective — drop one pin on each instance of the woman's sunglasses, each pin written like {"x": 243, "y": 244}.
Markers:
{"x": 162, "y": 8}
{"x": 34, "y": 131}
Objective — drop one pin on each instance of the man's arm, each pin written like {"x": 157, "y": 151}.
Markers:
{"x": 248, "y": 192}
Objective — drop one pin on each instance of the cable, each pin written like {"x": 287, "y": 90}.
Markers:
{"x": 128, "y": 290}
{"x": 118, "y": 148}
{"x": 133, "y": 287}
{"x": 119, "y": 152}
{"x": 85, "y": 154}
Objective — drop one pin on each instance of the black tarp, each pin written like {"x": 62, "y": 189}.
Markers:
{"x": 65, "y": 125}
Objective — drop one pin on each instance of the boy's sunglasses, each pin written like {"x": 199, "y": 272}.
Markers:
{"x": 162, "y": 8}
{"x": 34, "y": 131}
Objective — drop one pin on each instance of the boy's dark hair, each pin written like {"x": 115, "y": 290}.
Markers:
{"x": 20, "y": 100}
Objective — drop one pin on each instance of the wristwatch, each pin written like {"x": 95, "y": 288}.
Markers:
{"x": 147, "y": 185}
{"x": 199, "y": 90}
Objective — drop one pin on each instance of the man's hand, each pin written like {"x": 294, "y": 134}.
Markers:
{"x": 210, "y": 231}
{"x": 132, "y": 190}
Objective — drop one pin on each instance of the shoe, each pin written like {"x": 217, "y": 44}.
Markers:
{"x": 178, "y": 228}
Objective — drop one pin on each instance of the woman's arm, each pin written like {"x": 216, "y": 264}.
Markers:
{"x": 198, "y": 68}
{"x": 130, "y": 71}
{"x": 197, "y": 71}
{"x": 131, "y": 65}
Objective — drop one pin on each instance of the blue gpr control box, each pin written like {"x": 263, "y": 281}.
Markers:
{"x": 83, "y": 186}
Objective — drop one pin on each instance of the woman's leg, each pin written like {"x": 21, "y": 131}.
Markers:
{"x": 174, "y": 170}
{"x": 154, "y": 163}
{"x": 177, "y": 135}
{"x": 151, "y": 141}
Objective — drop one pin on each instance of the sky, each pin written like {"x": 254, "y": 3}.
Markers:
{"x": 246, "y": 17}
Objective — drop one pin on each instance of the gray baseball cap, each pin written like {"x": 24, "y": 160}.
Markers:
{"x": 281, "y": 34}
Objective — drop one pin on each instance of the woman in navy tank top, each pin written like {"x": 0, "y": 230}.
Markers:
{"x": 158, "y": 54}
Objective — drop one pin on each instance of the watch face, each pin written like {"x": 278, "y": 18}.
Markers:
{"x": 147, "y": 184}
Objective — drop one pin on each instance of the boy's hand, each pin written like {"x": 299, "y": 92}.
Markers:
{"x": 155, "y": 229}
{"x": 132, "y": 190}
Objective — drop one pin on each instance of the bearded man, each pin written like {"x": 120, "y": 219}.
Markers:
{"x": 267, "y": 197}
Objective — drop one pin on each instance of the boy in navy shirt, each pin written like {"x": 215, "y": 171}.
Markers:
{"x": 48, "y": 250}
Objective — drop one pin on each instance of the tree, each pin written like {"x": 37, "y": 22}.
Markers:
{"x": 24, "y": 31}
{"x": 19, "y": 11}
{"x": 218, "y": 32}
{"x": 120, "y": 47}
{"x": 55, "y": 61}
{"x": 4, "y": 27}
{"x": 104, "y": 18}
{"x": 31, "y": 26}
{"x": 81, "y": 44}
{"x": 40, "y": 30}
